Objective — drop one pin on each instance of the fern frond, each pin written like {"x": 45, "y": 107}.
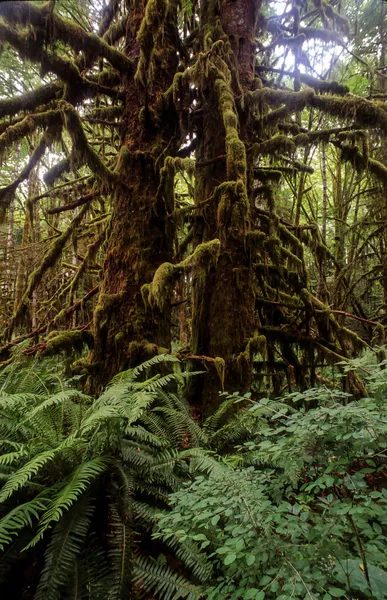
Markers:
{"x": 79, "y": 482}
{"x": 120, "y": 555}
{"x": 156, "y": 360}
{"x": 162, "y": 582}
{"x": 20, "y": 517}
{"x": 56, "y": 400}
{"x": 66, "y": 544}
{"x": 24, "y": 474}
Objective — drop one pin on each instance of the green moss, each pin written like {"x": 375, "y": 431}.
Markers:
{"x": 277, "y": 144}
{"x": 302, "y": 139}
{"x": 68, "y": 341}
{"x": 220, "y": 366}
{"x": 119, "y": 338}
{"x": 203, "y": 257}
{"x": 104, "y": 306}
{"x": 255, "y": 239}
{"x": 161, "y": 286}
{"x": 157, "y": 292}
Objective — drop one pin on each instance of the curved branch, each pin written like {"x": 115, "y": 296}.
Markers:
{"x": 30, "y": 100}
{"x": 7, "y": 192}
{"x": 25, "y": 13}
{"x": 49, "y": 260}
{"x": 67, "y": 71}
{"x": 13, "y": 133}
{"x": 71, "y": 205}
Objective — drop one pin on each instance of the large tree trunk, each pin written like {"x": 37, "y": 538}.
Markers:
{"x": 223, "y": 305}
{"x": 125, "y": 331}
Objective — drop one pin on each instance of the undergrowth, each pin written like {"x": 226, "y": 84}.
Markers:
{"x": 127, "y": 495}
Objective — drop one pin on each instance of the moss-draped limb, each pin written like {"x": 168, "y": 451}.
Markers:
{"x": 25, "y": 13}
{"x": 7, "y": 192}
{"x": 204, "y": 255}
{"x": 49, "y": 260}
{"x": 28, "y": 125}
{"x": 82, "y": 148}
{"x": 68, "y": 341}
{"x": 32, "y": 48}
{"x": 363, "y": 112}
{"x": 361, "y": 162}
{"x": 31, "y": 100}
{"x": 116, "y": 31}
{"x": 320, "y": 85}
{"x": 151, "y": 28}
{"x": 56, "y": 171}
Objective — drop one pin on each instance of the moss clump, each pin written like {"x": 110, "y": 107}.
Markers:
{"x": 203, "y": 257}
{"x": 302, "y": 139}
{"x": 157, "y": 292}
{"x": 101, "y": 312}
{"x": 277, "y": 144}
{"x": 255, "y": 239}
{"x": 119, "y": 338}
{"x": 68, "y": 341}
{"x": 220, "y": 366}
{"x": 161, "y": 285}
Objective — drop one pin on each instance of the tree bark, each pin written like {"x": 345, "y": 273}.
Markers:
{"x": 223, "y": 305}
{"x": 125, "y": 330}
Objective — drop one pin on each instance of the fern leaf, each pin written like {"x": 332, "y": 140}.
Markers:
{"x": 24, "y": 474}
{"x": 65, "y": 546}
{"x": 162, "y": 582}
{"x": 69, "y": 494}
{"x": 20, "y": 517}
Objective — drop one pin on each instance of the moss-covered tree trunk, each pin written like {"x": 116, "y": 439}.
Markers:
{"x": 125, "y": 331}
{"x": 223, "y": 323}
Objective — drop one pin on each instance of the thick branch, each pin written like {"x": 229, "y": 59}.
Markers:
{"x": 363, "y": 112}
{"x": 32, "y": 48}
{"x": 25, "y": 13}
{"x": 30, "y": 100}
{"x": 71, "y": 205}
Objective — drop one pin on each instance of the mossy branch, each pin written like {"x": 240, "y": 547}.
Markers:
{"x": 7, "y": 192}
{"x": 82, "y": 148}
{"x": 26, "y": 126}
{"x": 49, "y": 260}
{"x": 364, "y": 113}
{"x": 31, "y": 100}
{"x": 25, "y": 13}
{"x": 157, "y": 292}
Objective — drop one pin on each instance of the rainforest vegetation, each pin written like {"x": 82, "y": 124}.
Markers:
{"x": 193, "y": 307}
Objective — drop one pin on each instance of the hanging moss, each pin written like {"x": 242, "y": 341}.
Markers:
{"x": 277, "y": 144}
{"x": 220, "y": 366}
{"x": 362, "y": 112}
{"x": 157, "y": 292}
{"x": 255, "y": 239}
{"x": 162, "y": 283}
{"x": 266, "y": 174}
{"x": 301, "y": 139}
{"x": 106, "y": 302}
{"x": 68, "y": 341}
{"x": 26, "y": 126}
{"x": 68, "y": 32}
{"x": 31, "y": 100}
{"x": 151, "y": 27}
{"x": 82, "y": 149}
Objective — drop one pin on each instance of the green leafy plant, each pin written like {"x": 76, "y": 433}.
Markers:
{"x": 81, "y": 480}
{"x": 303, "y": 514}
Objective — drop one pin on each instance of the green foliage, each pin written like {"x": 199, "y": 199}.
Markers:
{"x": 81, "y": 478}
{"x": 303, "y": 513}
{"x": 272, "y": 498}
